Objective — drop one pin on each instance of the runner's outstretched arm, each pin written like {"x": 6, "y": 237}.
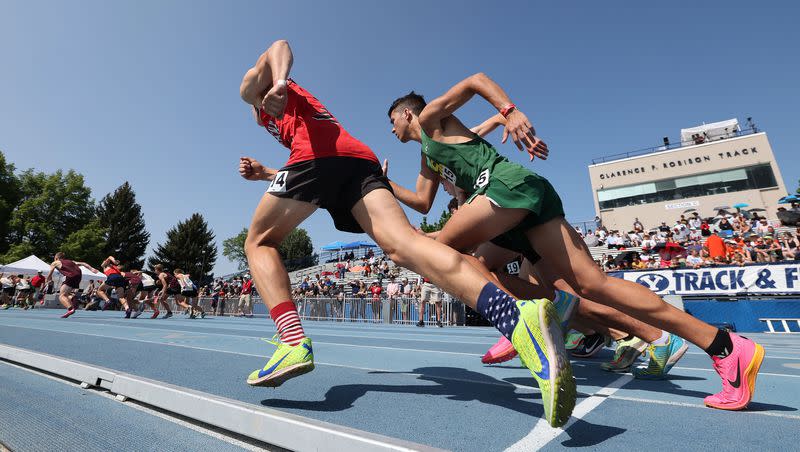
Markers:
{"x": 264, "y": 85}
{"x": 420, "y": 200}
{"x": 517, "y": 125}
{"x": 87, "y": 266}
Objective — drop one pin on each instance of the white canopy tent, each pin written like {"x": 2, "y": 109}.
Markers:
{"x": 711, "y": 132}
{"x": 32, "y": 264}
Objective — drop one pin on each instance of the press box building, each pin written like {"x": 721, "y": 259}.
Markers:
{"x": 714, "y": 165}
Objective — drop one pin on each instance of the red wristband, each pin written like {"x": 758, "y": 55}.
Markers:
{"x": 507, "y": 110}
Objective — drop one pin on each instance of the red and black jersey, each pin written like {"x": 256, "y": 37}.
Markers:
{"x": 310, "y": 131}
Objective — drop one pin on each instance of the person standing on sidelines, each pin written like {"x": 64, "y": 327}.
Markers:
{"x": 329, "y": 168}
{"x": 7, "y": 288}
{"x": 246, "y": 299}
{"x": 37, "y": 283}
{"x": 24, "y": 292}
{"x": 71, "y": 272}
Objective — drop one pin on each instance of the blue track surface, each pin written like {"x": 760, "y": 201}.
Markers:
{"x": 428, "y": 385}
{"x": 40, "y": 414}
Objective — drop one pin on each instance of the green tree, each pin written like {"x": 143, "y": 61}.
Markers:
{"x": 233, "y": 249}
{"x": 189, "y": 246}
{"x": 51, "y": 207}
{"x": 87, "y": 244}
{"x": 19, "y": 251}
{"x": 297, "y": 251}
{"x": 430, "y": 227}
{"x": 10, "y": 195}
{"x": 126, "y": 237}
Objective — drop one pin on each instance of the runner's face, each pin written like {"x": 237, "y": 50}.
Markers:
{"x": 399, "y": 125}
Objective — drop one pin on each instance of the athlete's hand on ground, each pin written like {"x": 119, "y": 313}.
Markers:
{"x": 252, "y": 169}
{"x": 274, "y": 101}
{"x": 523, "y": 134}
{"x": 385, "y": 167}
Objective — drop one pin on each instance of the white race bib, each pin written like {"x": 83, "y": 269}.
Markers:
{"x": 279, "y": 183}
{"x": 483, "y": 179}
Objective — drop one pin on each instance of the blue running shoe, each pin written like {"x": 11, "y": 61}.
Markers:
{"x": 662, "y": 358}
{"x": 566, "y": 304}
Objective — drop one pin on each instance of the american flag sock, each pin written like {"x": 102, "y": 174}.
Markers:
{"x": 288, "y": 323}
{"x": 498, "y": 308}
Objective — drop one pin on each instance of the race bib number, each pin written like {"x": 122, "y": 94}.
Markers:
{"x": 279, "y": 183}
{"x": 448, "y": 175}
{"x": 512, "y": 268}
{"x": 483, "y": 179}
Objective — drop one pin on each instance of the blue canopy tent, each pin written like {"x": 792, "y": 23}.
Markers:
{"x": 332, "y": 251}
{"x": 335, "y": 246}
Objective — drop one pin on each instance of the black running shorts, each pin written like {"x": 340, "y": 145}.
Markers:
{"x": 335, "y": 184}
{"x": 116, "y": 280}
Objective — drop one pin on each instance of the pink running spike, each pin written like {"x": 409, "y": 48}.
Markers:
{"x": 500, "y": 352}
{"x": 738, "y": 372}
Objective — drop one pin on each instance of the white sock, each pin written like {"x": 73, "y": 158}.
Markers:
{"x": 663, "y": 339}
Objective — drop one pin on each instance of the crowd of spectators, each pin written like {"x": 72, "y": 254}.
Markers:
{"x": 730, "y": 238}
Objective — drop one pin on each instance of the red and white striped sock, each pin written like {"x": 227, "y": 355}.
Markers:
{"x": 288, "y": 323}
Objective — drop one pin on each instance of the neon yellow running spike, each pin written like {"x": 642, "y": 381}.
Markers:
{"x": 539, "y": 340}
{"x": 287, "y": 362}
{"x": 625, "y": 355}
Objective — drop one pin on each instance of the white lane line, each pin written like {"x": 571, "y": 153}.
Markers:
{"x": 543, "y": 433}
{"x": 694, "y": 405}
{"x": 144, "y": 409}
{"x": 144, "y": 329}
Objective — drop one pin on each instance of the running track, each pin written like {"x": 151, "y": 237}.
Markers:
{"x": 421, "y": 385}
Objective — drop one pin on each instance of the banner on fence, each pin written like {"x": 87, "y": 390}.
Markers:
{"x": 752, "y": 279}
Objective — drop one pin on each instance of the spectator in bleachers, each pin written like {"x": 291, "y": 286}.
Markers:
{"x": 579, "y": 230}
{"x": 634, "y": 238}
{"x": 761, "y": 250}
{"x": 716, "y": 247}
{"x": 614, "y": 241}
{"x": 598, "y": 223}
{"x": 648, "y": 243}
{"x": 663, "y": 229}
{"x": 694, "y": 260}
{"x": 705, "y": 228}
{"x": 695, "y": 221}
{"x": 790, "y": 246}
{"x": 637, "y": 225}
{"x": 762, "y": 228}
{"x": 725, "y": 226}
{"x": 591, "y": 239}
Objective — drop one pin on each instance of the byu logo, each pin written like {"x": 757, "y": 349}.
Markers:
{"x": 654, "y": 282}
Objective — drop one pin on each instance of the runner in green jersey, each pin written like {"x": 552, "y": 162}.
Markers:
{"x": 508, "y": 199}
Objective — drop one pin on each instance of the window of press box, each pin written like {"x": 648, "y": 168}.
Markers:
{"x": 718, "y": 182}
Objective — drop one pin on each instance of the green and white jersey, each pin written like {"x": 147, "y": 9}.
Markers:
{"x": 470, "y": 165}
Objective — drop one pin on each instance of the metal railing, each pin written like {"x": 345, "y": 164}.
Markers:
{"x": 403, "y": 310}
{"x": 667, "y": 147}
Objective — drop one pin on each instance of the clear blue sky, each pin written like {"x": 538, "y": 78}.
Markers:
{"x": 147, "y": 91}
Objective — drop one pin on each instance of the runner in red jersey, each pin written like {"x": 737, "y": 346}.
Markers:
{"x": 305, "y": 117}
{"x": 328, "y": 168}
{"x": 114, "y": 279}
{"x": 72, "y": 280}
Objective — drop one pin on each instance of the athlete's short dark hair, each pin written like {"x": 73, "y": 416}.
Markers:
{"x": 453, "y": 204}
{"x": 413, "y": 101}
